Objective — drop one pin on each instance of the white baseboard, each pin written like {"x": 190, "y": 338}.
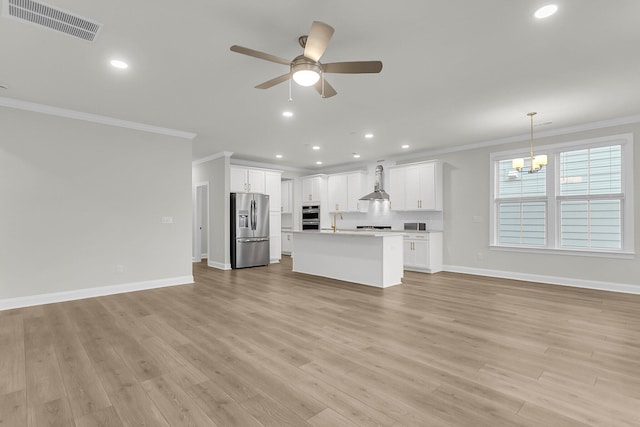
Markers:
{"x": 218, "y": 265}
{"x": 626, "y": 288}
{"x": 11, "y": 303}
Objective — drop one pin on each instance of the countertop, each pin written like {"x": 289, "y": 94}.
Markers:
{"x": 372, "y": 233}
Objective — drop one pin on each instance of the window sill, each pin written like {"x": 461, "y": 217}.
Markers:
{"x": 570, "y": 252}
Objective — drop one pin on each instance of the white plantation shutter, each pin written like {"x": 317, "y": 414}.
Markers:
{"x": 591, "y": 198}
{"x": 522, "y": 205}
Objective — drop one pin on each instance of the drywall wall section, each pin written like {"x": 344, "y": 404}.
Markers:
{"x": 90, "y": 209}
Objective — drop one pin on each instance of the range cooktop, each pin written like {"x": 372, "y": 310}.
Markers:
{"x": 373, "y": 227}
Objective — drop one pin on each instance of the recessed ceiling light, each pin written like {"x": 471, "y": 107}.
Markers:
{"x": 287, "y": 114}
{"x": 316, "y": 147}
{"x": 405, "y": 146}
{"x": 368, "y": 135}
{"x": 278, "y": 156}
{"x": 546, "y": 11}
{"x": 356, "y": 155}
{"x": 318, "y": 162}
{"x": 119, "y": 64}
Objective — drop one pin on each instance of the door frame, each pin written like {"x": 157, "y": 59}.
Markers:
{"x": 197, "y": 219}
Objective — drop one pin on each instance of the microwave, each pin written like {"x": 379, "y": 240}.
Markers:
{"x": 415, "y": 226}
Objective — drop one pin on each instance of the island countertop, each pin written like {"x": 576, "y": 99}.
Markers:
{"x": 372, "y": 233}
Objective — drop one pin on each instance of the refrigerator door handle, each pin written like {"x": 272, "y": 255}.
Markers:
{"x": 253, "y": 214}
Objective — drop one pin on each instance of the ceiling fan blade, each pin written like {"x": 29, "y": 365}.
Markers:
{"x": 329, "y": 91}
{"x": 275, "y": 81}
{"x": 354, "y": 67}
{"x": 260, "y": 55}
{"x": 318, "y": 40}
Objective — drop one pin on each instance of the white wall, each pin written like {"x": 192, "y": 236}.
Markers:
{"x": 77, "y": 199}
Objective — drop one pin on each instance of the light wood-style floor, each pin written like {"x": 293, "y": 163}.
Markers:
{"x": 267, "y": 347}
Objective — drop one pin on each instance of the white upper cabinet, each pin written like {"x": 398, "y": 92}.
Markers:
{"x": 396, "y": 188}
{"x": 251, "y": 180}
{"x": 312, "y": 189}
{"x": 273, "y": 188}
{"x": 345, "y": 190}
{"x": 247, "y": 180}
{"x": 356, "y": 188}
{"x": 286, "y": 188}
{"x": 416, "y": 186}
{"x": 337, "y": 189}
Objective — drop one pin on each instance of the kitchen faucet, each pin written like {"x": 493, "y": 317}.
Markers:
{"x": 334, "y": 226}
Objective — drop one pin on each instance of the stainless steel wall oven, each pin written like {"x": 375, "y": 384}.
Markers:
{"x": 311, "y": 217}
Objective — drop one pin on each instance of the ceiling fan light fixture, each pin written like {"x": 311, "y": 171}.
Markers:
{"x": 304, "y": 71}
{"x": 306, "y": 77}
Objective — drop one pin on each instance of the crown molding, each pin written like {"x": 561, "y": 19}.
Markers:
{"x": 620, "y": 121}
{"x": 94, "y": 118}
{"x": 219, "y": 155}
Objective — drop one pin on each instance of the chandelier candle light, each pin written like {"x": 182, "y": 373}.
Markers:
{"x": 536, "y": 162}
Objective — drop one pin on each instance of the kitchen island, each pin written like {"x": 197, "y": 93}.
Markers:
{"x": 370, "y": 258}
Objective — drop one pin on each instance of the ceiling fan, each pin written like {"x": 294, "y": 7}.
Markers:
{"x": 306, "y": 69}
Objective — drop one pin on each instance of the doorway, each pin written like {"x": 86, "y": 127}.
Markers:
{"x": 201, "y": 223}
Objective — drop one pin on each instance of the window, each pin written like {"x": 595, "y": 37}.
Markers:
{"x": 582, "y": 201}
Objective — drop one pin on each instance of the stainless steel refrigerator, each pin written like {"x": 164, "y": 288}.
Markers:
{"x": 249, "y": 230}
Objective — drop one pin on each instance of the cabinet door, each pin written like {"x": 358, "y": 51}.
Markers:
{"x": 337, "y": 186}
{"x": 311, "y": 189}
{"x": 427, "y": 183}
{"x": 287, "y": 243}
{"x": 307, "y": 189}
{"x": 408, "y": 254}
{"x": 273, "y": 188}
{"x": 412, "y": 188}
{"x": 421, "y": 253}
{"x": 355, "y": 189}
{"x": 275, "y": 230}
{"x": 397, "y": 188}
{"x": 238, "y": 180}
{"x": 286, "y": 202}
{"x": 256, "y": 180}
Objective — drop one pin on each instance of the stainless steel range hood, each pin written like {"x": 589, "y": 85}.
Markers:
{"x": 378, "y": 191}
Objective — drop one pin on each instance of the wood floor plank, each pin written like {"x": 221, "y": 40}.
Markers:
{"x": 220, "y": 407}
{"x": 55, "y": 412}
{"x": 176, "y": 405}
{"x": 265, "y": 346}
{"x": 106, "y": 417}
{"x": 135, "y": 407}
{"x": 13, "y": 409}
{"x": 12, "y": 361}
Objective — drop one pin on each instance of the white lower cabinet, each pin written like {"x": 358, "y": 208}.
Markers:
{"x": 423, "y": 252}
{"x": 287, "y": 243}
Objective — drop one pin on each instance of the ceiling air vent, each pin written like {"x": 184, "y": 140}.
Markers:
{"x": 50, "y": 17}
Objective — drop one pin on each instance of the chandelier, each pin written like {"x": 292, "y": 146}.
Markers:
{"x": 536, "y": 162}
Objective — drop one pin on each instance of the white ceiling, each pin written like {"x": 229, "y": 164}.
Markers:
{"x": 456, "y": 72}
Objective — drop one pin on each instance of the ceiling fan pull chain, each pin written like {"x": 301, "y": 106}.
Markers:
{"x": 322, "y": 77}
{"x": 290, "y": 98}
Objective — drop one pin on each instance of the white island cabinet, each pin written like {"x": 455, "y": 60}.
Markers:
{"x": 367, "y": 258}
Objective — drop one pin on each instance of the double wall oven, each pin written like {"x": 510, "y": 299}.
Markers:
{"x": 311, "y": 217}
